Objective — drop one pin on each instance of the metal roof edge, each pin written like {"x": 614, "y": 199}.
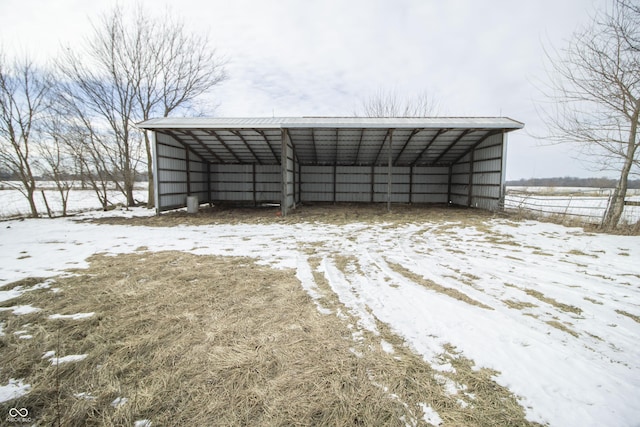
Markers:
{"x": 331, "y": 122}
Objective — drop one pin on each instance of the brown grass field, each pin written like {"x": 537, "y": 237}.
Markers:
{"x": 222, "y": 341}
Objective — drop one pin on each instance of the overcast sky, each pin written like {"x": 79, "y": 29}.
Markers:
{"x": 324, "y": 57}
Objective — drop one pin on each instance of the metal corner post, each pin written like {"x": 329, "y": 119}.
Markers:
{"x": 389, "y": 173}
{"x": 283, "y": 171}
{"x": 154, "y": 169}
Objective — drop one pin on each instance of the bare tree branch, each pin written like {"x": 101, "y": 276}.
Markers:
{"x": 595, "y": 94}
{"x": 24, "y": 91}
{"x": 387, "y": 103}
{"x": 132, "y": 68}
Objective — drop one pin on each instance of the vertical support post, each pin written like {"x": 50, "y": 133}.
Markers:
{"x": 449, "y": 186}
{"x": 503, "y": 170}
{"x": 210, "y": 199}
{"x": 188, "y": 171}
{"x": 156, "y": 180}
{"x": 334, "y": 183}
{"x": 299, "y": 183}
{"x": 295, "y": 162}
{"x": 373, "y": 179}
{"x": 253, "y": 180}
{"x": 470, "y": 181}
{"x": 389, "y": 165}
{"x": 411, "y": 184}
{"x": 283, "y": 172}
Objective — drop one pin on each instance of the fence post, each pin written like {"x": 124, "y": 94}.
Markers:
{"x": 606, "y": 210}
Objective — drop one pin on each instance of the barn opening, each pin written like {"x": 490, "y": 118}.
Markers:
{"x": 288, "y": 161}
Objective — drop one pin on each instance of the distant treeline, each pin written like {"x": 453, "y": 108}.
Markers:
{"x": 569, "y": 181}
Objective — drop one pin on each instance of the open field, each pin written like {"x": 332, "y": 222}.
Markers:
{"x": 572, "y": 205}
{"x": 14, "y": 204}
{"x": 336, "y": 314}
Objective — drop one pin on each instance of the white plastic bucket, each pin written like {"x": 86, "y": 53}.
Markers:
{"x": 192, "y": 204}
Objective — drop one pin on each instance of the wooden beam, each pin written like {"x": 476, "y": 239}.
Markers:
{"x": 224, "y": 144}
{"x": 450, "y": 146}
{"x": 424, "y": 150}
{"x": 266, "y": 140}
{"x": 246, "y": 144}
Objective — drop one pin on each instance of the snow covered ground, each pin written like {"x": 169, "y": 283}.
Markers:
{"x": 589, "y": 209}
{"x": 550, "y": 308}
{"x": 13, "y": 203}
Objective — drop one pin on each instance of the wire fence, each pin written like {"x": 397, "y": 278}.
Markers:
{"x": 580, "y": 208}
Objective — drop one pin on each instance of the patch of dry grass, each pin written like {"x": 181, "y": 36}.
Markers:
{"x": 500, "y": 239}
{"x": 564, "y": 307}
{"x": 405, "y": 375}
{"x": 562, "y": 327}
{"x": 430, "y": 284}
{"x": 579, "y": 252}
{"x": 593, "y": 301}
{"x": 518, "y": 305}
{"x": 629, "y": 315}
{"x": 202, "y": 340}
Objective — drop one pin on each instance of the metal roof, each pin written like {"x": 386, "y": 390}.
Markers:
{"x": 333, "y": 140}
{"x": 340, "y": 122}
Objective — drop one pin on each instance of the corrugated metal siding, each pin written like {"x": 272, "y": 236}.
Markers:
{"x": 180, "y": 174}
{"x": 198, "y": 179}
{"x": 487, "y": 173}
{"x": 171, "y": 173}
{"x": 369, "y": 184}
{"x": 289, "y": 173}
{"x": 483, "y": 190}
{"x": 235, "y": 183}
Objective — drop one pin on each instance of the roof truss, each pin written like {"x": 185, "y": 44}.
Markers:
{"x": 338, "y": 145}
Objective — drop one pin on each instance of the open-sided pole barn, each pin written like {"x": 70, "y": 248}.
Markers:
{"x": 327, "y": 159}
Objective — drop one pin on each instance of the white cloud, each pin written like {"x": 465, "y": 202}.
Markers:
{"x": 295, "y": 57}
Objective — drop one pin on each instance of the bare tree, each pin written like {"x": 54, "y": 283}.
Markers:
{"x": 595, "y": 93}
{"x": 387, "y": 103}
{"x": 97, "y": 87}
{"x": 57, "y": 158}
{"x": 139, "y": 67}
{"x": 23, "y": 103}
{"x": 91, "y": 147}
{"x": 171, "y": 68}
